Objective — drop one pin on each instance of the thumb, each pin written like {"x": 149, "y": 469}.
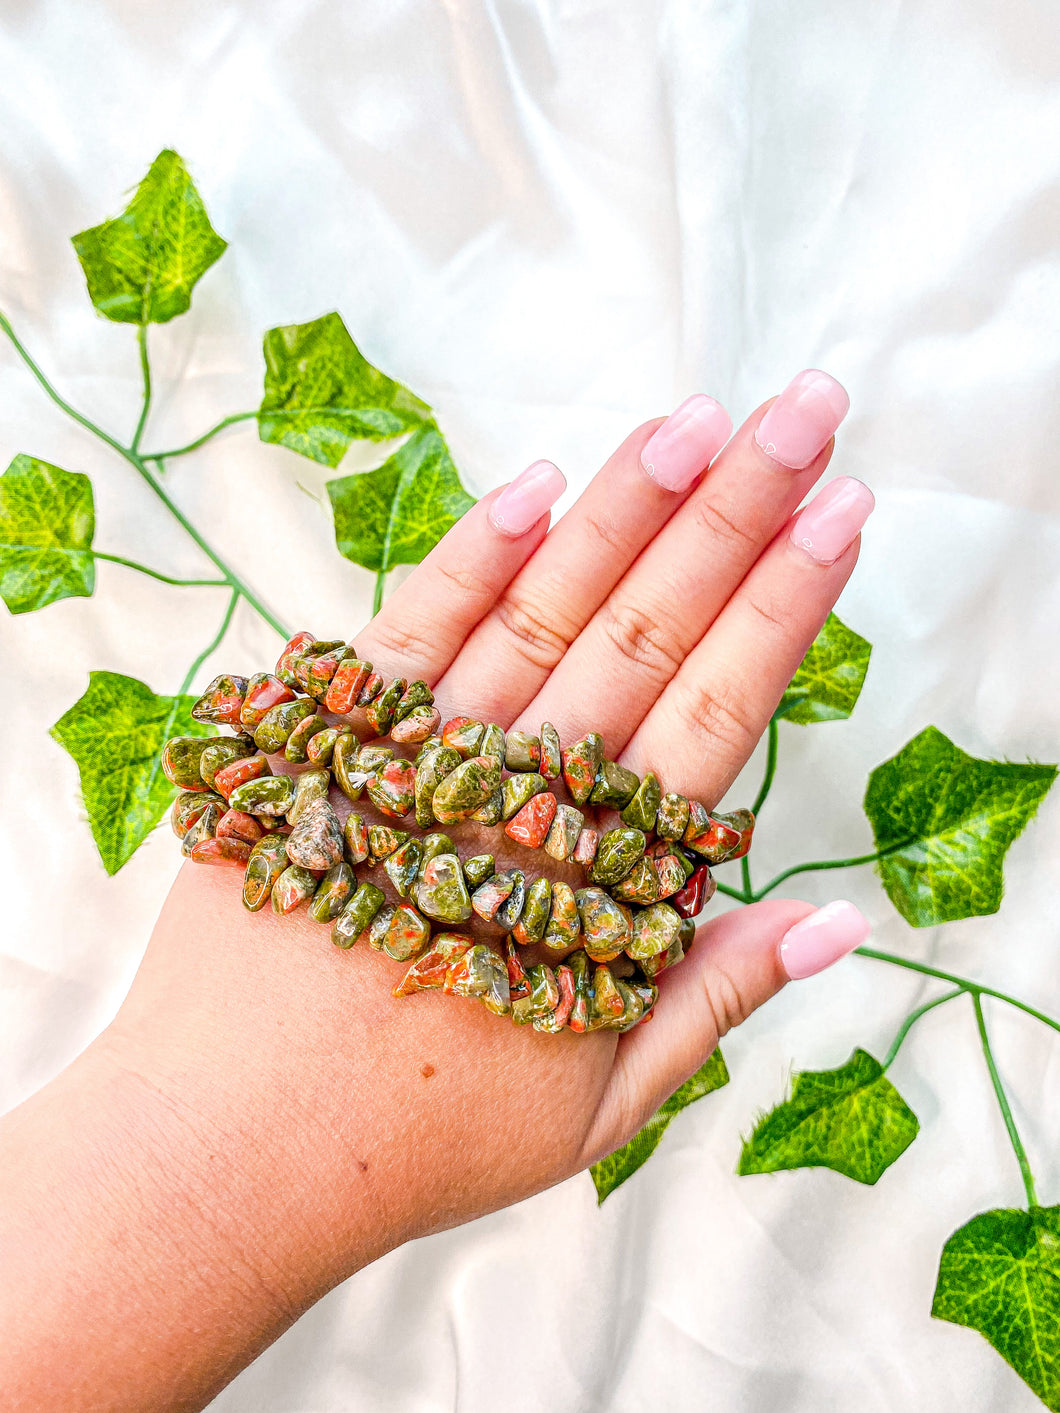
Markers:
{"x": 738, "y": 961}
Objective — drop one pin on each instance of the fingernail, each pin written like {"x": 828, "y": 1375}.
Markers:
{"x": 798, "y": 425}
{"x": 686, "y": 443}
{"x": 828, "y": 526}
{"x": 521, "y": 505}
{"x": 822, "y": 938}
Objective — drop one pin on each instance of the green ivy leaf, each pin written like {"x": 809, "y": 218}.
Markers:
{"x": 321, "y": 393}
{"x": 115, "y": 733}
{"x": 612, "y": 1171}
{"x": 851, "y": 1120}
{"x": 830, "y": 677}
{"x": 1000, "y": 1275}
{"x": 141, "y": 267}
{"x": 950, "y": 819}
{"x": 47, "y": 520}
{"x": 397, "y": 513}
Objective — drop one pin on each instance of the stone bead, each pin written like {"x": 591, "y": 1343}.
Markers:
{"x": 692, "y": 896}
{"x": 561, "y": 1015}
{"x": 585, "y": 848}
{"x": 441, "y": 892}
{"x": 222, "y": 752}
{"x": 530, "y": 928}
{"x": 403, "y": 866}
{"x": 687, "y": 934}
{"x": 332, "y": 892}
{"x": 291, "y": 649}
{"x": 670, "y": 876}
{"x": 294, "y": 885}
{"x": 272, "y": 731}
{"x": 563, "y": 832}
{"x": 511, "y": 910}
{"x": 222, "y": 701}
{"x": 219, "y": 850}
{"x": 671, "y": 819}
{"x": 578, "y": 963}
{"x": 463, "y": 735}
{"x": 531, "y": 825}
{"x": 480, "y": 973}
{"x": 296, "y": 750}
{"x": 640, "y": 885}
{"x": 346, "y": 685}
{"x": 348, "y": 777}
{"x": 237, "y": 824}
{"x": 431, "y": 770}
{"x": 357, "y": 915}
{"x": 268, "y": 794}
{"x": 615, "y": 786}
{"x": 605, "y": 1004}
{"x": 321, "y": 746}
{"x": 433, "y": 845}
{"x": 268, "y": 859}
{"x": 416, "y": 694}
{"x": 489, "y": 896}
{"x": 189, "y": 806}
{"x": 370, "y": 689}
{"x": 321, "y": 670}
{"x": 393, "y": 789}
{"x": 605, "y": 925}
{"x": 517, "y": 790}
{"x": 402, "y": 933}
{"x": 315, "y": 842}
{"x": 580, "y": 763}
{"x": 518, "y": 984}
{"x": 380, "y": 712}
{"x": 490, "y": 812}
{"x": 432, "y": 743}
{"x": 617, "y": 852}
{"x": 662, "y": 961}
{"x": 181, "y": 757}
{"x": 551, "y": 757}
{"x": 310, "y": 786}
{"x": 373, "y": 757}
{"x": 492, "y": 743}
{"x": 522, "y": 751}
{"x": 632, "y": 1006}
{"x": 654, "y": 929}
{"x": 465, "y": 789}
{"x": 421, "y": 722}
{"x": 355, "y": 835}
{"x": 383, "y": 840}
{"x": 263, "y": 693}
{"x": 430, "y": 970}
{"x": 642, "y": 810}
{"x": 564, "y": 923}
{"x": 478, "y": 869}
{"x": 544, "y": 990}
{"x": 238, "y": 772}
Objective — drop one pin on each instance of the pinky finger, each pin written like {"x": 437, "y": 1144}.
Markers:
{"x": 422, "y": 626}
{"x": 738, "y": 962}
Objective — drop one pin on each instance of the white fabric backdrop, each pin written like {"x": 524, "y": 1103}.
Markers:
{"x": 552, "y": 221}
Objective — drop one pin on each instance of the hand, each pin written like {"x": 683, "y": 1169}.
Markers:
{"x": 310, "y": 1120}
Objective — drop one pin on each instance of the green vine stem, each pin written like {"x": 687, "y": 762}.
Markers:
{"x": 189, "y": 676}
{"x": 380, "y": 584}
{"x": 1003, "y": 1105}
{"x": 145, "y": 366}
{"x": 911, "y": 1020}
{"x": 201, "y": 441}
{"x": 132, "y": 456}
{"x": 155, "y": 574}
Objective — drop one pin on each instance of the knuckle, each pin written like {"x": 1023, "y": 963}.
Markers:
{"x": 717, "y": 715}
{"x": 726, "y": 1002}
{"x": 542, "y": 636}
{"x": 720, "y": 525}
{"x": 605, "y": 534}
{"x": 768, "y": 614}
{"x": 640, "y": 638}
{"x": 405, "y": 641}
{"x": 474, "y": 589}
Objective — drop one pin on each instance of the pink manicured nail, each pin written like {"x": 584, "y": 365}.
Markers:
{"x": 797, "y": 426}
{"x": 827, "y": 527}
{"x": 686, "y": 443}
{"x": 822, "y": 938}
{"x": 521, "y": 505}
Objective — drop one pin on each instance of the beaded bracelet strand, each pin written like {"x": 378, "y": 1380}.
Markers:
{"x": 283, "y": 828}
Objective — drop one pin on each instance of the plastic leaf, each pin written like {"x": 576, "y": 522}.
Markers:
{"x": 47, "y": 520}
{"x": 850, "y": 1119}
{"x": 830, "y": 677}
{"x": 321, "y": 393}
{"x": 958, "y": 816}
{"x": 142, "y": 266}
{"x": 115, "y": 733}
{"x": 1000, "y": 1275}
{"x": 612, "y": 1171}
{"x": 397, "y": 513}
